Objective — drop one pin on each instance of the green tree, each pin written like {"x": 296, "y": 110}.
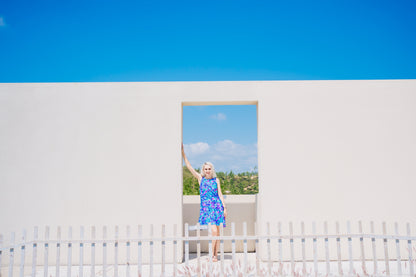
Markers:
{"x": 241, "y": 183}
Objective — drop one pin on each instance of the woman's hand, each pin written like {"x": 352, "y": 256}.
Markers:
{"x": 225, "y": 212}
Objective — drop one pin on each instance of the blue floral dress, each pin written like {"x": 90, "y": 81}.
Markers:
{"x": 211, "y": 210}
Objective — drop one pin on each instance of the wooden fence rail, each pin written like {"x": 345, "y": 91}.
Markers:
{"x": 341, "y": 252}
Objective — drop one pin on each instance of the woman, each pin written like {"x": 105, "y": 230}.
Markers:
{"x": 213, "y": 208}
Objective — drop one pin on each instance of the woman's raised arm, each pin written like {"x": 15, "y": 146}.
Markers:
{"x": 191, "y": 169}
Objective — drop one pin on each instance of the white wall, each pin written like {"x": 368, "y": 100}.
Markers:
{"x": 89, "y": 154}
{"x": 338, "y": 150}
{"x": 109, "y": 153}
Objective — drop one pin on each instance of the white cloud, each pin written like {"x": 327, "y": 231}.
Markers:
{"x": 233, "y": 156}
{"x": 2, "y": 24}
{"x": 226, "y": 155}
{"x": 196, "y": 149}
{"x": 226, "y": 145}
{"x": 232, "y": 149}
{"x": 219, "y": 116}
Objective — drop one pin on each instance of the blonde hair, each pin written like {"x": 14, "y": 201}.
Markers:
{"x": 214, "y": 175}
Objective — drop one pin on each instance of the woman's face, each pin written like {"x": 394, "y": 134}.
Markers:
{"x": 208, "y": 171}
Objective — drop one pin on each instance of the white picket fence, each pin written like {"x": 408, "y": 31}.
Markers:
{"x": 282, "y": 253}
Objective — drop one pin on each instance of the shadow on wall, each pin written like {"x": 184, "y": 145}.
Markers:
{"x": 240, "y": 208}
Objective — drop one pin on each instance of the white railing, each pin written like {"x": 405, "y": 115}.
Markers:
{"x": 278, "y": 253}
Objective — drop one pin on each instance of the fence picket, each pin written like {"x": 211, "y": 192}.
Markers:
{"x": 22, "y": 255}
{"x": 198, "y": 248}
{"x": 409, "y": 244}
{"x": 104, "y": 251}
{"x": 233, "y": 247}
{"x": 386, "y": 250}
{"x": 186, "y": 244}
{"x": 326, "y": 248}
{"x": 292, "y": 252}
{"x": 128, "y": 251}
{"x": 373, "y": 242}
{"x": 175, "y": 250}
{"x": 58, "y": 251}
{"x": 398, "y": 258}
{"x": 222, "y": 248}
{"x": 81, "y": 252}
{"x": 315, "y": 250}
{"x": 302, "y": 227}
{"x": 279, "y": 233}
{"x": 139, "y": 250}
{"x": 69, "y": 252}
{"x": 163, "y": 250}
{"x": 151, "y": 250}
{"x": 11, "y": 254}
{"x": 210, "y": 245}
{"x": 35, "y": 251}
{"x": 116, "y": 236}
{"x": 256, "y": 230}
{"x": 360, "y": 230}
{"x": 269, "y": 251}
{"x": 340, "y": 271}
{"x": 93, "y": 251}
{"x": 46, "y": 254}
{"x": 351, "y": 270}
{"x": 245, "y": 248}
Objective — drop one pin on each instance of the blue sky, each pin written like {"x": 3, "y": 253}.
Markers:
{"x": 224, "y": 135}
{"x": 96, "y": 41}
{"x": 226, "y": 40}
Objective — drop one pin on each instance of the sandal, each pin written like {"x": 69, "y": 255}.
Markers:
{"x": 214, "y": 259}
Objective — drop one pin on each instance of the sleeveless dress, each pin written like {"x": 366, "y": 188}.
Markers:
{"x": 211, "y": 210}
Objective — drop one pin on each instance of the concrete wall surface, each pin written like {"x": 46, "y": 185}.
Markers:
{"x": 89, "y": 154}
{"x": 109, "y": 153}
{"x": 342, "y": 150}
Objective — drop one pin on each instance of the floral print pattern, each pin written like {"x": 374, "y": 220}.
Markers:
{"x": 211, "y": 210}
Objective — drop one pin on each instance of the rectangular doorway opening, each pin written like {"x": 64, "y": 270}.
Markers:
{"x": 225, "y": 134}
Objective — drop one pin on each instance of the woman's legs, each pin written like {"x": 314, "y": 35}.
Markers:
{"x": 215, "y": 243}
